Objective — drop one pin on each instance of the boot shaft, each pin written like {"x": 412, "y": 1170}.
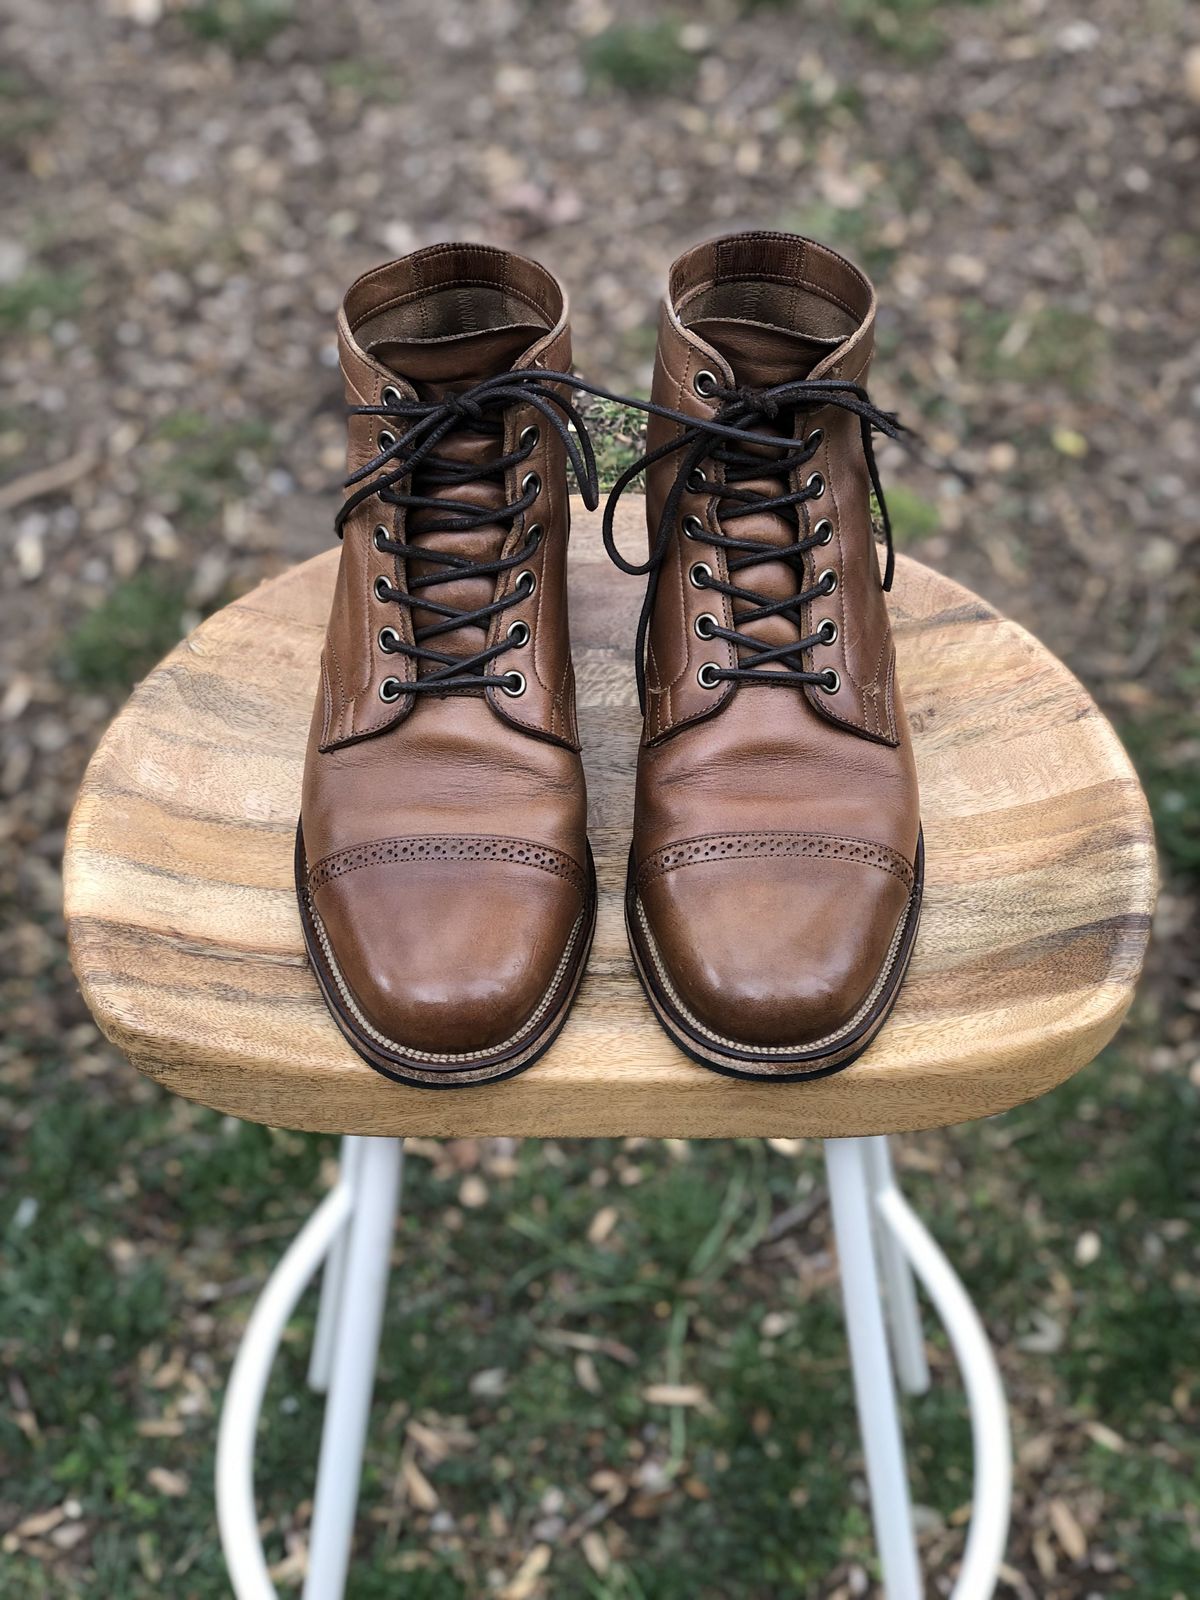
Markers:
{"x": 425, "y": 332}
{"x": 746, "y": 314}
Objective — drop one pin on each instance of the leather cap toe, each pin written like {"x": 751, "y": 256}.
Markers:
{"x": 440, "y": 962}
{"x": 774, "y": 953}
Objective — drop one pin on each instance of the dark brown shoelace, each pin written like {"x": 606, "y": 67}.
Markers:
{"x": 407, "y": 467}
{"x": 734, "y": 440}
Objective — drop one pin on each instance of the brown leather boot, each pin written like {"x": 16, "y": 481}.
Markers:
{"x": 442, "y": 865}
{"x": 775, "y": 878}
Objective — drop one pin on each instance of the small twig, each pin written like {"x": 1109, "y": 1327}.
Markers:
{"x": 47, "y": 480}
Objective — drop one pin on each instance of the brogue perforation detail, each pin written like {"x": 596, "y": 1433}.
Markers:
{"x": 449, "y": 847}
{"x": 738, "y": 846}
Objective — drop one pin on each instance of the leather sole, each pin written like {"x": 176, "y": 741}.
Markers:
{"x": 418, "y": 1069}
{"x": 738, "y": 1060}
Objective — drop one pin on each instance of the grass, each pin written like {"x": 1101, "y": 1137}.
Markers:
{"x": 41, "y": 297}
{"x": 1052, "y": 344}
{"x": 1165, "y": 749}
{"x": 363, "y": 80}
{"x": 197, "y": 461}
{"x": 244, "y": 27}
{"x": 617, "y": 434}
{"x": 135, "y": 625}
{"x": 912, "y": 517}
{"x": 640, "y": 58}
{"x": 26, "y": 112}
{"x": 909, "y": 30}
{"x": 137, "y": 1228}
{"x": 853, "y": 230}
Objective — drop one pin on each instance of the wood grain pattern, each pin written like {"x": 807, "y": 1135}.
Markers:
{"x": 186, "y": 940}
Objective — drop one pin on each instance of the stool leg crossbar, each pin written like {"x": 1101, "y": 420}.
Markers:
{"x": 882, "y": 1247}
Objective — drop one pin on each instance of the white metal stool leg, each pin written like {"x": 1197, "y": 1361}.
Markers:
{"x": 874, "y": 1223}
{"x": 899, "y": 1288}
{"x": 321, "y": 1360}
{"x": 874, "y": 1390}
{"x": 352, "y": 1228}
{"x": 363, "y": 1289}
{"x": 991, "y": 1500}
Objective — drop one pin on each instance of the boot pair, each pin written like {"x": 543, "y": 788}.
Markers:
{"x": 446, "y": 886}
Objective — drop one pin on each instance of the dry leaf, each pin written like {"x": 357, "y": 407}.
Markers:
{"x": 586, "y": 1375}
{"x": 596, "y": 1552}
{"x": 489, "y": 1384}
{"x": 592, "y": 1344}
{"x": 1043, "y": 1554}
{"x": 160, "y": 1428}
{"x": 526, "y": 1580}
{"x": 676, "y": 1394}
{"x": 173, "y": 1484}
{"x": 1104, "y": 1436}
{"x": 417, "y": 1487}
{"x": 428, "y": 1441}
{"x": 1067, "y": 1530}
{"x": 39, "y": 1523}
{"x": 602, "y": 1224}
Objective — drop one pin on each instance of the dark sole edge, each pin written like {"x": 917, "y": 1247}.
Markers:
{"x": 478, "y": 1074}
{"x": 864, "y": 1036}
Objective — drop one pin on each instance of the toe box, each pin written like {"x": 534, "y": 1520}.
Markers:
{"x": 774, "y": 953}
{"x": 445, "y": 958}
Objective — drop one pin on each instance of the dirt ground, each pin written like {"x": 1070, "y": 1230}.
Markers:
{"x": 187, "y": 189}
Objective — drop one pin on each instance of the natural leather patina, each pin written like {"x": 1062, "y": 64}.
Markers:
{"x": 775, "y": 875}
{"x": 443, "y": 870}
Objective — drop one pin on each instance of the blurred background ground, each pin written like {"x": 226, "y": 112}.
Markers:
{"x": 187, "y": 189}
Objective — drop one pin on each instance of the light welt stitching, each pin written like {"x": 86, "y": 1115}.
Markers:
{"x": 368, "y": 1028}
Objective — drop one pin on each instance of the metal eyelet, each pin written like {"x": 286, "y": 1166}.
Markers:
{"x": 823, "y": 532}
{"x": 528, "y": 437}
{"x": 815, "y": 485}
{"x": 827, "y": 630}
{"x": 531, "y": 484}
{"x": 533, "y": 535}
{"x": 513, "y": 684}
{"x": 389, "y": 640}
{"x": 701, "y": 570}
{"x": 391, "y": 396}
{"x": 705, "y": 384}
{"x": 814, "y": 439}
{"x": 383, "y": 588}
{"x": 696, "y": 480}
{"x": 693, "y": 528}
{"x": 385, "y": 439}
{"x": 518, "y": 634}
{"x": 391, "y": 689}
{"x": 526, "y": 583}
{"x": 827, "y": 582}
{"x": 830, "y": 681}
{"x": 710, "y": 622}
{"x": 381, "y": 533}
{"x": 706, "y": 675}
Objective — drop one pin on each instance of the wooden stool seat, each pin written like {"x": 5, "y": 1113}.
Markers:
{"x": 1040, "y": 883}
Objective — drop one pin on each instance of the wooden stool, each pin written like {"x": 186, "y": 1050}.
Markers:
{"x": 186, "y": 940}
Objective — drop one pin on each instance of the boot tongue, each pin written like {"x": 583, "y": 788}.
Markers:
{"x": 444, "y": 366}
{"x": 761, "y": 353}
{"x": 436, "y": 367}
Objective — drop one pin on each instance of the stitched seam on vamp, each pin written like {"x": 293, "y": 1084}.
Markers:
{"x": 388, "y": 852}
{"x": 815, "y": 846}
